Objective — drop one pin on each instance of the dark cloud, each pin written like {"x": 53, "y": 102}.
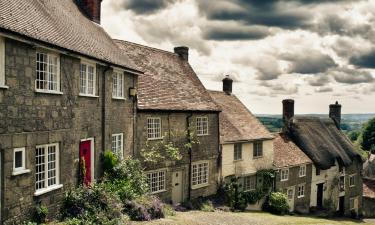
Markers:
{"x": 237, "y": 32}
{"x": 366, "y": 60}
{"x": 352, "y": 76}
{"x": 309, "y": 62}
{"x": 146, "y": 6}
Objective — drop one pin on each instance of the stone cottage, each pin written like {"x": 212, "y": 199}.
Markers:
{"x": 175, "y": 111}
{"x": 246, "y": 146}
{"x": 337, "y": 166}
{"x": 63, "y": 98}
{"x": 293, "y": 173}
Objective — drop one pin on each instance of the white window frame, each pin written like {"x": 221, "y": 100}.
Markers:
{"x": 302, "y": 171}
{"x": 57, "y": 185}
{"x": 249, "y": 183}
{"x": 284, "y": 174}
{"x": 2, "y": 63}
{"x": 47, "y": 74}
{"x": 352, "y": 178}
{"x": 116, "y": 148}
{"x": 116, "y": 88}
{"x": 202, "y": 125}
{"x": 237, "y": 151}
{"x": 22, "y": 169}
{"x": 301, "y": 191}
{"x": 85, "y": 92}
{"x": 161, "y": 183}
{"x": 256, "y": 149}
{"x": 195, "y": 174}
{"x": 153, "y": 132}
{"x": 352, "y": 203}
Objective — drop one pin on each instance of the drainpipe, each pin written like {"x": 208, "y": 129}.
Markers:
{"x": 189, "y": 151}
{"x": 104, "y": 106}
{"x": 135, "y": 99}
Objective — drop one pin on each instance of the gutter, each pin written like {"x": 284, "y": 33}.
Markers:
{"x": 189, "y": 152}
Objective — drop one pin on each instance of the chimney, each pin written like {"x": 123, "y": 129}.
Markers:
{"x": 227, "y": 85}
{"x": 288, "y": 111}
{"x": 91, "y": 8}
{"x": 183, "y": 52}
{"x": 335, "y": 113}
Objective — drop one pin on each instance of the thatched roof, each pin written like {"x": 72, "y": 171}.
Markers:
{"x": 322, "y": 141}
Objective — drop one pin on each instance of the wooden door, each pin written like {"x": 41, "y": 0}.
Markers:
{"x": 290, "y": 193}
{"x": 319, "y": 195}
{"x": 342, "y": 205}
{"x": 177, "y": 187}
{"x": 85, "y": 159}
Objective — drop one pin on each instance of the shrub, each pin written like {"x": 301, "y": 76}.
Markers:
{"x": 41, "y": 213}
{"x": 277, "y": 203}
{"x": 145, "y": 208}
{"x": 207, "y": 207}
{"x": 168, "y": 210}
{"x": 110, "y": 160}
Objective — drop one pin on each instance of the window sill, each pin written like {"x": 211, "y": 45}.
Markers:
{"x": 46, "y": 190}
{"x": 202, "y": 135}
{"x": 157, "y": 192}
{"x": 3, "y": 87}
{"x": 119, "y": 98}
{"x": 302, "y": 176}
{"x": 238, "y": 160}
{"x": 257, "y": 157}
{"x": 300, "y": 196}
{"x": 284, "y": 180}
{"x": 19, "y": 172}
{"x": 154, "y": 139}
{"x": 89, "y": 96}
{"x": 199, "y": 186}
{"x": 49, "y": 92}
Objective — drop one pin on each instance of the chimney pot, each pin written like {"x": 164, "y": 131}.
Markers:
{"x": 91, "y": 8}
{"x": 288, "y": 111}
{"x": 227, "y": 85}
{"x": 335, "y": 113}
{"x": 183, "y": 52}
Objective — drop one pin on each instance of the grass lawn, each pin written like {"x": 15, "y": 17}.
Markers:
{"x": 251, "y": 218}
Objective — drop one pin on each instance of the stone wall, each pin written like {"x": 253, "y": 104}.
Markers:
{"x": 28, "y": 119}
{"x": 207, "y": 149}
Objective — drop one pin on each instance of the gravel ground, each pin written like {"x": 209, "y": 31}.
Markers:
{"x": 251, "y": 218}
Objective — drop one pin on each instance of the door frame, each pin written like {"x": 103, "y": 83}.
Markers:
{"x": 181, "y": 171}
{"x": 92, "y": 156}
{"x": 317, "y": 194}
{"x": 292, "y": 200}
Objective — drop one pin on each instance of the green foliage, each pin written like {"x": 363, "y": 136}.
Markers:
{"x": 168, "y": 210}
{"x": 353, "y": 135}
{"x": 268, "y": 177}
{"x": 368, "y": 136}
{"x": 110, "y": 160}
{"x": 145, "y": 208}
{"x": 40, "y": 214}
{"x": 254, "y": 196}
{"x": 207, "y": 207}
{"x": 277, "y": 203}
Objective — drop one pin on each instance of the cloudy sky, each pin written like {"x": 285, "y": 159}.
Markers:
{"x": 314, "y": 51}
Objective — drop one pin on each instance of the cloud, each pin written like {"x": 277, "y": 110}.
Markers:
{"x": 319, "y": 80}
{"x": 146, "y": 6}
{"x": 309, "y": 62}
{"x": 365, "y": 60}
{"x": 277, "y": 88}
{"x": 352, "y": 76}
{"x": 225, "y": 32}
{"x": 323, "y": 89}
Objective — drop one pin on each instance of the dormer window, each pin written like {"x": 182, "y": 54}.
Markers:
{"x": 47, "y": 72}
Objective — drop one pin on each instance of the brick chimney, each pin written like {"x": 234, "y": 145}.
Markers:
{"x": 335, "y": 113}
{"x": 227, "y": 85}
{"x": 91, "y": 8}
{"x": 288, "y": 111}
{"x": 183, "y": 52}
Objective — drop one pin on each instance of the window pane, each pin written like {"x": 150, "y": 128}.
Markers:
{"x": 83, "y": 79}
{"x": 39, "y": 168}
{"x": 18, "y": 159}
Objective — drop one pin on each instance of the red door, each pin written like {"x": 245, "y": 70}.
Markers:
{"x": 85, "y": 154}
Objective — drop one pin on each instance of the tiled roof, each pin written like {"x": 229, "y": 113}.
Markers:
{"x": 369, "y": 167}
{"x": 286, "y": 153}
{"x": 60, "y": 23}
{"x": 237, "y": 123}
{"x": 169, "y": 82}
{"x": 369, "y": 188}
{"x": 321, "y": 140}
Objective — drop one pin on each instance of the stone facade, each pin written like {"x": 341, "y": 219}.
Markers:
{"x": 207, "y": 149}
{"x": 28, "y": 119}
{"x": 296, "y": 203}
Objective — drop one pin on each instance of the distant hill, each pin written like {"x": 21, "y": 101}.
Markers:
{"x": 350, "y": 122}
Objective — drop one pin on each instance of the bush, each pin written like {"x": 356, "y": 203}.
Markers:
{"x": 93, "y": 205}
{"x": 277, "y": 203}
{"x": 110, "y": 160}
{"x": 207, "y": 207}
{"x": 145, "y": 208}
{"x": 40, "y": 214}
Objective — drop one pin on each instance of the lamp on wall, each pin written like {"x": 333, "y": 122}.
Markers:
{"x": 132, "y": 92}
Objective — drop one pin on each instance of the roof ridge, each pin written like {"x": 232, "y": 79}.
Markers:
{"x": 145, "y": 46}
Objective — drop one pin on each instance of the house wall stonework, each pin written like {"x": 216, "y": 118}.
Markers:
{"x": 301, "y": 204}
{"x": 248, "y": 164}
{"x": 28, "y": 119}
{"x": 175, "y": 123}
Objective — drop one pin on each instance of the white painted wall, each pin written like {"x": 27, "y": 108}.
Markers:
{"x": 248, "y": 165}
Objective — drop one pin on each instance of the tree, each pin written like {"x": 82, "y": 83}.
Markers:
{"x": 368, "y": 136}
{"x": 353, "y": 135}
